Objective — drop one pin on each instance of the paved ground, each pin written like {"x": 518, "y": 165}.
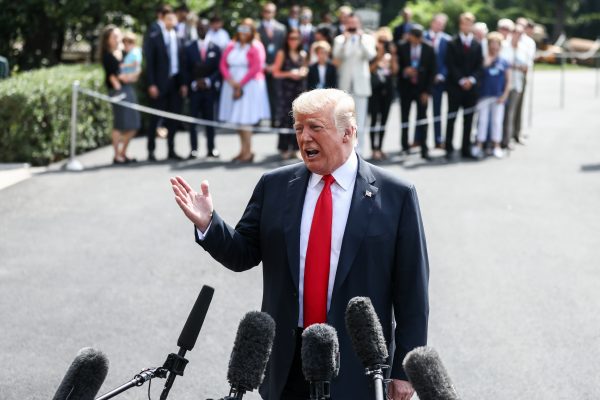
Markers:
{"x": 104, "y": 258}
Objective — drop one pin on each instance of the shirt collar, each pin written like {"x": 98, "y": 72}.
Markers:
{"x": 344, "y": 175}
{"x": 466, "y": 38}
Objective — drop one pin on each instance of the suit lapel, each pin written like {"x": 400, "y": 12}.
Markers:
{"x": 363, "y": 200}
{"x": 294, "y": 201}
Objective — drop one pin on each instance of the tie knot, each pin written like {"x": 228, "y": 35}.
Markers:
{"x": 328, "y": 179}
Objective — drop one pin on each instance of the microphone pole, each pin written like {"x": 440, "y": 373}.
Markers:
{"x": 175, "y": 363}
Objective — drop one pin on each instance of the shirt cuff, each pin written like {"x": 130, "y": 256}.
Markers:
{"x": 202, "y": 235}
{"x": 208, "y": 82}
{"x": 440, "y": 77}
{"x": 194, "y": 86}
{"x": 473, "y": 80}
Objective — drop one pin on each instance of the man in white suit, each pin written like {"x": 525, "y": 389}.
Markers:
{"x": 352, "y": 52}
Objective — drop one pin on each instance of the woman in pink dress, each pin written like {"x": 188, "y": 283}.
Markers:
{"x": 244, "y": 98}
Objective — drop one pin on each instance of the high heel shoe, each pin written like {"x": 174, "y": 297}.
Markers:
{"x": 245, "y": 160}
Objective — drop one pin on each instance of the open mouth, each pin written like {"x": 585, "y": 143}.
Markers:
{"x": 311, "y": 153}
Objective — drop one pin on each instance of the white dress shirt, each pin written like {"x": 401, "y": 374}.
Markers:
{"x": 341, "y": 193}
{"x": 341, "y": 198}
{"x": 322, "y": 69}
{"x": 219, "y": 37}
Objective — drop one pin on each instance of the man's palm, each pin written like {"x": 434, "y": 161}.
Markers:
{"x": 197, "y": 206}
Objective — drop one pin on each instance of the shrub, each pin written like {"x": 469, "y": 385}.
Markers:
{"x": 35, "y": 114}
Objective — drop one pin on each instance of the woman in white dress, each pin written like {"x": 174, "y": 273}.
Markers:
{"x": 244, "y": 99}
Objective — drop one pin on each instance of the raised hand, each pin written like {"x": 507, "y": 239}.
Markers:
{"x": 198, "y": 207}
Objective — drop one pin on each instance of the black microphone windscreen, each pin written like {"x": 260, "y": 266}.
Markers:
{"x": 320, "y": 353}
{"x": 428, "y": 375}
{"x": 191, "y": 329}
{"x": 251, "y": 351}
{"x": 84, "y": 377}
{"x": 365, "y": 332}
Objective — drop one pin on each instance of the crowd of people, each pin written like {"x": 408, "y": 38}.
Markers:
{"x": 255, "y": 75}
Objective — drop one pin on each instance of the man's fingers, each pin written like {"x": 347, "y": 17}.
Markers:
{"x": 204, "y": 188}
{"x": 184, "y": 184}
{"x": 180, "y": 194}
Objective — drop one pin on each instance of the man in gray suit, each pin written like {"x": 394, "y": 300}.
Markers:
{"x": 326, "y": 230}
{"x": 272, "y": 36}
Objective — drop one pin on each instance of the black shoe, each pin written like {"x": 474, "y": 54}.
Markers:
{"x": 425, "y": 156}
{"x": 174, "y": 156}
{"x": 151, "y": 157}
{"x": 214, "y": 153}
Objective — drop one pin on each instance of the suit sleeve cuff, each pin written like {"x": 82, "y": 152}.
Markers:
{"x": 201, "y": 235}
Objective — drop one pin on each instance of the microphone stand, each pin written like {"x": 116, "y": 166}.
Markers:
{"x": 376, "y": 374}
{"x": 137, "y": 380}
{"x": 174, "y": 365}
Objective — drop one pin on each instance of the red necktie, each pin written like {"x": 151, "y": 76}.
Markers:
{"x": 203, "y": 52}
{"x": 318, "y": 255}
{"x": 466, "y": 47}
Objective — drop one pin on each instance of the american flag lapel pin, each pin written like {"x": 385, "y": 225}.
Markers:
{"x": 368, "y": 193}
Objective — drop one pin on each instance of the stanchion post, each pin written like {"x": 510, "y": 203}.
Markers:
{"x": 530, "y": 88}
{"x": 74, "y": 164}
{"x": 562, "y": 81}
{"x": 597, "y": 64}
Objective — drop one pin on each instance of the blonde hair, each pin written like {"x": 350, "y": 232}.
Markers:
{"x": 469, "y": 16}
{"x": 130, "y": 37}
{"x": 384, "y": 33}
{"x": 321, "y": 44}
{"x": 495, "y": 36}
{"x": 311, "y": 102}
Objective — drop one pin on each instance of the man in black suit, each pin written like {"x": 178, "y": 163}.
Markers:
{"x": 400, "y": 33}
{"x": 416, "y": 65}
{"x": 203, "y": 78}
{"x": 464, "y": 61}
{"x": 165, "y": 78}
{"x": 272, "y": 36}
{"x": 326, "y": 230}
{"x": 322, "y": 74}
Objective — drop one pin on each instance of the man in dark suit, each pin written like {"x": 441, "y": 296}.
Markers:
{"x": 439, "y": 41}
{"x": 165, "y": 79}
{"x": 465, "y": 66}
{"x": 322, "y": 74}
{"x": 203, "y": 77}
{"x": 326, "y": 230}
{"x": 416, "y": 69}
{"x": 272, "y": 36}
{"x": 400, "y": 32}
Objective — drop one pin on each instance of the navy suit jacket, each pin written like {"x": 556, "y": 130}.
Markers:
{"x": 158, "y": 61}
{"x": 383, "y": 256}
{"x": 197, "y": 68}
{"x": 313, "y": 79}
{"x": 440, "y": 54}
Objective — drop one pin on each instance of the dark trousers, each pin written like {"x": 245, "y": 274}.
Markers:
{"x": 436, "y": 97}
{"x": 467, "y": 100}
{"x": 202, "y": 105}
{"x": 170, "y": 101}
{"x": 380, "y": 103}
{"x": 407, "y": 97}
{"x": 296, "y": 387}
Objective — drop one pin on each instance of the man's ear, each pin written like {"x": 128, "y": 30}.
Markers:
{"x": 349, "y": 134}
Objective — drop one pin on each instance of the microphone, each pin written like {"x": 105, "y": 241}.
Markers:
{"x": 176, "y": 363}
{"x": 320, "y": 359}
{"x": 250, "y": 354}
{"x": 84, "y": 377}
{"x": 367, "y": 340}
{"x": 428, "y": 375}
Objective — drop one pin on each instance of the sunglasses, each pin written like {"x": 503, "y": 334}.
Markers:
{"x": 244, "y": 29}
{"x": 293, "y": 38}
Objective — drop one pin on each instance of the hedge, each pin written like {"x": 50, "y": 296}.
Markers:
{"x": 35, "y": 112}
